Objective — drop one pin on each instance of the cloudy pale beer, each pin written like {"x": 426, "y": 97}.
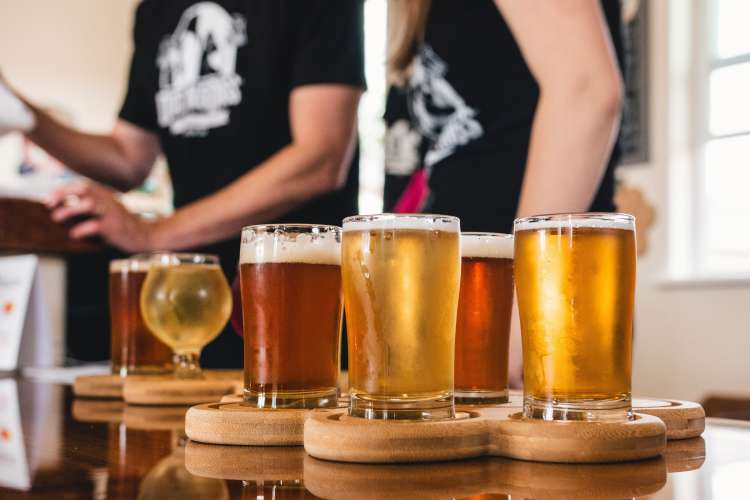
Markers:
{"x": 134, "y": 348}
{"x": 186, "y": 301}
{"x": 575, "y": 278}
{"x": 290, "y": 280}
{"x": 483, "y": 324}
{"x": 401, "y": 277}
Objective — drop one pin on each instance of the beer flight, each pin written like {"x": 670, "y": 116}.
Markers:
{"x": 427, "y": 308}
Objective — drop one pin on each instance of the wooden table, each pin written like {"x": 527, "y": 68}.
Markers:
{"x": 54, "y": 447}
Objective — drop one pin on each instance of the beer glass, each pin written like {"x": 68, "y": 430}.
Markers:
{"x": 401, "y": 277}
{"x": 575, "y": 280}
{"x": 186, "y": 301}
{"x": 290, "y": 280}
{"x": 135, "y": 350}
{"x": 483, "y": 325}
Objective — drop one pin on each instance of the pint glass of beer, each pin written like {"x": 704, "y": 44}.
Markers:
{"x": 483, "y": 325}
{"x": 575, "y": 279}
{"x": 401, "y": 276}
{"x": 290, "y": 279}
{"x": 135, "y": 350}
{"x": 186, "y": 301}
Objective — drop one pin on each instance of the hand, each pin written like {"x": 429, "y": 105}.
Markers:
{"x": 104, "y": 216}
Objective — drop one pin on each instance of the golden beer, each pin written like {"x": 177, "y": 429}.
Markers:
{"x": 135, "y": 350}
{"x": 575, "y": 278}
{"x": 186, "y": 302}
{"x": 401, "y": 277}
{"x": 484, "y": 312}
{"x": 290, "y": 279}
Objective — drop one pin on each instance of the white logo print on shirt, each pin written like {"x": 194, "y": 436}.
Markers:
{"x": 440, "y": 112}
{"x": 198, "y": 81}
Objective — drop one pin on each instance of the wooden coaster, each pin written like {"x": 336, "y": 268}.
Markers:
{"x": 497, "y": 431}
{"x": 98, "y": 410}
{"x": 98, "y": 386}
{"x": 239, "y": 424}
{"x": 577, "y": 442}
{"x": 684, "y": 419}
{"x": 243, "y": 463}
{"x": 336, "y": 436}
{"x": 167, "y": 390}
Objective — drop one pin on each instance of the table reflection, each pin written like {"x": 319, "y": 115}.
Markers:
{"x": 106, "y": 449}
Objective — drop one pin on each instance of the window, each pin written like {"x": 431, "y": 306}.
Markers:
{"x": 371, "y": 109}
{"x": 723, "y": 138}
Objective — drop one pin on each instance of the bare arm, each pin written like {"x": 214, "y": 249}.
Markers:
{"x": 121, "y": 159}
{"x": 323, "y": 125}
{"x": 569, "y": 51}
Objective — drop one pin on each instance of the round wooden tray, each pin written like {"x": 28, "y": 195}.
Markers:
{"x": 494, "y": 431}
{"x": 98, "y": 410}
{"x": 235, "y": 423}
{"x": 684, "y": 419}
{"x": 167, "y": 390}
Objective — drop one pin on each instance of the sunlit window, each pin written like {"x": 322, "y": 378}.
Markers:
{"x": 724, "y": 176}
{"x": 371, "y": 125}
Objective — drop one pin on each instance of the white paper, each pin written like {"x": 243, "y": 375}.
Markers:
{"x": 16, "y": 276}
{"x": 15, "y": 116}
{"x": 14, "y": 466}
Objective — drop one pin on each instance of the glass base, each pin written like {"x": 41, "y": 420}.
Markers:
{"x": 580, "y": 409}
{"x": 480, "y": 397}
{"x": 433, "y": 408}
{"x": 327, "y": 398}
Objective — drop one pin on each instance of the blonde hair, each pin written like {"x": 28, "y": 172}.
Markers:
{"x": 406, "y": 26}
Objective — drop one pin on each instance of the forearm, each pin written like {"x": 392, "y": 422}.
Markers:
{"x": 571, "y": 142}
{"x": 95, "y": 156}
{"x": 291, "y": 177}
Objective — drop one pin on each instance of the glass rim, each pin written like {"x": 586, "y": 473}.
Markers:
{"x": 187, "y": 258}
{"x": 607, "y": 216}
{"x": 267, "y": 228}
{"x": 390, "y": 216}
{"x": 389, "y": 221}
{"x": 484, "y": 234}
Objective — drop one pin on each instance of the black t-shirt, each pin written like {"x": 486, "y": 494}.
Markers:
{"x": 471, "y": 100}
{"x": 213, "y": 78}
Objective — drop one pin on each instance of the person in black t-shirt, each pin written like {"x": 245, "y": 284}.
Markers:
{"x": 511, "y": 107}
{"x": 253, "y": 103}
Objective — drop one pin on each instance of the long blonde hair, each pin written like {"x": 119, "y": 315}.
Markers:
{"x": 406, "y": 26}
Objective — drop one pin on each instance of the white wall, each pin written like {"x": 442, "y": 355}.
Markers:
{"x": 72, "y": 56}
{"x": 692, "y": 339}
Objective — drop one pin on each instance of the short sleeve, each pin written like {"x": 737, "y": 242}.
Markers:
{"x": 139, "y": 106}
{"x": 330, "y": 46}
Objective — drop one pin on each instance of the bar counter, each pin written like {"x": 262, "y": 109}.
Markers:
{"x": 55, "y": 446}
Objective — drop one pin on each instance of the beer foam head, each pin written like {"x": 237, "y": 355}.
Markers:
{"x": 136, "y": 263}
{"x": 307, "y": 245}
{"x": 388, "y": 222}
{"x": 576, "y": 221}
{"x": 487, "y": 245}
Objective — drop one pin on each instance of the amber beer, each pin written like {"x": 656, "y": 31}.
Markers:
{"x": 575, "y": 278}
{"x": 134, "y": 347}
{"x": 290, "y": 280}
{"x": 401, "y": 276}
{"x": 483, "y": 324}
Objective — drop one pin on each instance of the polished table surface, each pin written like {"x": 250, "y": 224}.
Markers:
{"x": 53, "y": 446}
